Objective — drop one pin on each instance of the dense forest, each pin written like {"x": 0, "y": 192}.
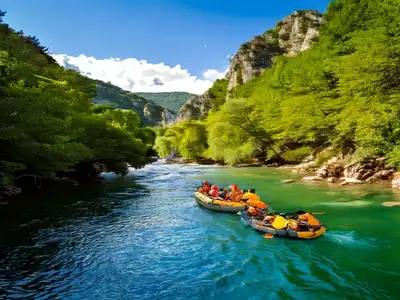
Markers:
{"x": 341, "y": 97}
{"x": 48, "y": 124}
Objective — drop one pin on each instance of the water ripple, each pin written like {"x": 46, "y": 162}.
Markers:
{"x": 145, "y": 237}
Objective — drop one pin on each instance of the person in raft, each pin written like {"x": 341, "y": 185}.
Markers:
{"x": 257, "y": 208}
{"x": 307, "y": 220}
{"x": 223, "y": 193}
{"x": 205, "y": 188}
{"x": 235, "y": 193}
{"x": 214, "y": 191}
{"x": 251, "y": 195}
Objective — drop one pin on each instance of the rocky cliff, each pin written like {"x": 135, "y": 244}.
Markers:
{"x": 292, "y": 35}
{"x": 195, "y": 107}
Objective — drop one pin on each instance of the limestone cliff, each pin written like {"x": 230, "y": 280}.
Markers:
{"x": 195, "y": 107}
{"x": 292, "y": 35}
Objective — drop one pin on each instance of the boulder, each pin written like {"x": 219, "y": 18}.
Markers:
{"x": 331, "y": 179}
{"x": 349, "y": 181}
{"x": 332, "y": 168}
{"x": 306, "y": 167}
{"x": 396, "y": 180}
{"x": 381, "y": 175}
{"x": 367, "y": 175}
{"x": 287, "y": 181}
{"x": 354, "y": 170}
{"x": 391, "y": 204}
{"x": 311, "y": 179}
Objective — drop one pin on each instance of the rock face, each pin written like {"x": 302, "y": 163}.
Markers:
{"x": 396, "y": 180}
{"x": 332, "y": 168}
{"x": 167, "y": 117}
{"x": 374, "y": 169}
{"x": 7, "y": 191}
{"x": 196, "y": 107}
{"x": 292, "y": 35}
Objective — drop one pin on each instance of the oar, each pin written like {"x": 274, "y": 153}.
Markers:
{"x": 268, "y": 236}
{"x": 318, "y": 213}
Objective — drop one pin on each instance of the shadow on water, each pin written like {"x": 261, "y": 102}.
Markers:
{"x": 54, "y": 212}
{"x": 145, "y": 237}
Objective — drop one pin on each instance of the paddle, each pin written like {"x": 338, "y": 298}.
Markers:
{"x": 268, "y": 236}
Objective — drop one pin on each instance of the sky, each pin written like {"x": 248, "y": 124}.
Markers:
{"x": 149, "y": 45}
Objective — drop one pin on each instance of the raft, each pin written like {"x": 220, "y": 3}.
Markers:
{"x": 218, "y": 205}
{"x": 289, "y": 233}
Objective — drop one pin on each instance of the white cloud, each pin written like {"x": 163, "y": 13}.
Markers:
{"x": 213, "y": 75}
{"x": 139, "y": 75}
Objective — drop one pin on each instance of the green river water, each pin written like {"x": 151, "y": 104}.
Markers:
{"x": 144, "y": 237}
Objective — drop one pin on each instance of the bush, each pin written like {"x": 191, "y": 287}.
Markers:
{"x": 297, "y": 155}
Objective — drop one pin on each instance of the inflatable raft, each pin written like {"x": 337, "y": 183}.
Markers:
{"x": 285, "y": 232}
{"x": 218, "y": 205}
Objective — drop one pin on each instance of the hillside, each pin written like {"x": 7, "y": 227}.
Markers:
{"x": 149, "y": 112}
{"x": 336, "y": 102}
{"x": 172, "y": 101}
{"x": 49, "y": 127}
{"x": 293, "y": 35}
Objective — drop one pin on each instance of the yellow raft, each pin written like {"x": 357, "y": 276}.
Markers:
{"x": 218, "y": 205}
{"x": 282, "y": 232}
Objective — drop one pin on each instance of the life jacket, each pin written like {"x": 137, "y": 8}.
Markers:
{"x": 251, "y": 196}
{"x": 280, "y": 222}
{"x": 237, "y": 196}
{"x": 252, "y": 211}
{"x": 257, "y": 204}
{"x": 311, "y": 220}
{"x": 214, "y": 191}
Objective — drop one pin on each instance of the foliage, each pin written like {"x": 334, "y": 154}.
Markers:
{"x": 116, "y": 97}
{"x": 47, "y": 120}
{"x": 217, "y": 93}
{"x": 343, "y": 94}
{"x": 172, "y": 101}
{"x": 187, "y": 138}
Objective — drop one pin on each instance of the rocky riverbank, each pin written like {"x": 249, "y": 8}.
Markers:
{"x": 337, "y": 170}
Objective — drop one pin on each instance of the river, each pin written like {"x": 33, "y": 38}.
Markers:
{"x": 144, "y": 237}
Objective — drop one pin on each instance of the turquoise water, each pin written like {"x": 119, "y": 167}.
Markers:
{"x": 144, "y": 237}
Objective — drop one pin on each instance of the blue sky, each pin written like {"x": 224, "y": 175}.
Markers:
{"x": 169, "y": 31}
{"x": 197, "y": 34}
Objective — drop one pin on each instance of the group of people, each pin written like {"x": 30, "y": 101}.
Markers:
{"x": 299, "y": 221}
{"x": 260, "y": 210}
{"x": 249, "y": 197}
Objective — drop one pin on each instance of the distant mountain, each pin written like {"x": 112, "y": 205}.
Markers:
{"x": 172, "y": 101}
{"x": 150, "y": 112}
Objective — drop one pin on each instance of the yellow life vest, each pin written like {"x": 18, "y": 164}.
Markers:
{"x": 280, "y": 222}
{"x": 251, "y": 196}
